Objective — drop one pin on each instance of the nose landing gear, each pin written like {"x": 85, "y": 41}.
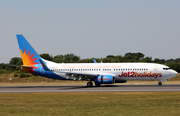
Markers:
{"x": 159, "y": 83}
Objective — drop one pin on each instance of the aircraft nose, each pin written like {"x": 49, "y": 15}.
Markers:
{"x": 174, "y": 73}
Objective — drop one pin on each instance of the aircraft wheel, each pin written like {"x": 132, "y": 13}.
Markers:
{"x": 90, "y": 84}
{"x": 159, "y": 83}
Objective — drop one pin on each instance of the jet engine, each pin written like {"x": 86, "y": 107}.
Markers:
{"x": 104, "y": 79}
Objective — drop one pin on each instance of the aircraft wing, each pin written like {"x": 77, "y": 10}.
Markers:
{"x": 79, "y": 76}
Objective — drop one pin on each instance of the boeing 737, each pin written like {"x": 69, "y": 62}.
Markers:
{"x": 99, "y": 73}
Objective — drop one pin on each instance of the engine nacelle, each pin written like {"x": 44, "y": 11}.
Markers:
{"x": 120, "y": 81}
{"x": 104, "y": 79}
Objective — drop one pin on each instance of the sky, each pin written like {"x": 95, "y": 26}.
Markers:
{"x": 91, "y": 28}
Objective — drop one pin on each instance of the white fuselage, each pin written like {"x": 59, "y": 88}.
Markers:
{"x": 121, "y": 71}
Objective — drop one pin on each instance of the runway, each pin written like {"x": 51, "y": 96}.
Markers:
{"x": 81, "y": 88}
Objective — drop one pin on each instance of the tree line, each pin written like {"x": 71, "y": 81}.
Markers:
{"x": 71, "y": 58}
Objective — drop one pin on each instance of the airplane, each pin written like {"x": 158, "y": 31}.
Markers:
{"x": 99, "y": 73}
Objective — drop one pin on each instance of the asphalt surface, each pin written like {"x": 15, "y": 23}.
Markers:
{"x": 81, "y": 88}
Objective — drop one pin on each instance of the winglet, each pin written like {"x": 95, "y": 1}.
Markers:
{"x": 94, "y": 61}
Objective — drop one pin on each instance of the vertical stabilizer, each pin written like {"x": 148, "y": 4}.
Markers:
{"x": 28, "y": 54}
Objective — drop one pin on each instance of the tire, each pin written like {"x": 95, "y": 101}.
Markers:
{"x": 89, "y": 84}
{"x": 159, "y": 83}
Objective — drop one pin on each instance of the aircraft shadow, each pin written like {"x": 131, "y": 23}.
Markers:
{"x": 114, "y": 86}
{"x": 68, "y": 87}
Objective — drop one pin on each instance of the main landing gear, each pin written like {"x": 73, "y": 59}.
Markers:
{"x": 89, "y": 84}
{"x": 159, "y": 83}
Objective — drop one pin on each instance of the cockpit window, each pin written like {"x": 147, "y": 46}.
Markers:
{"x": 166, "y": 68}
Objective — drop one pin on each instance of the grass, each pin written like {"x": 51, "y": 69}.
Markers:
{"x": 90, "y": 103}
{"x": 86, "y": 103}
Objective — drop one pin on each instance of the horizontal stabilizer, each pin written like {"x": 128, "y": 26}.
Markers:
{"x": 18, "y": 65}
